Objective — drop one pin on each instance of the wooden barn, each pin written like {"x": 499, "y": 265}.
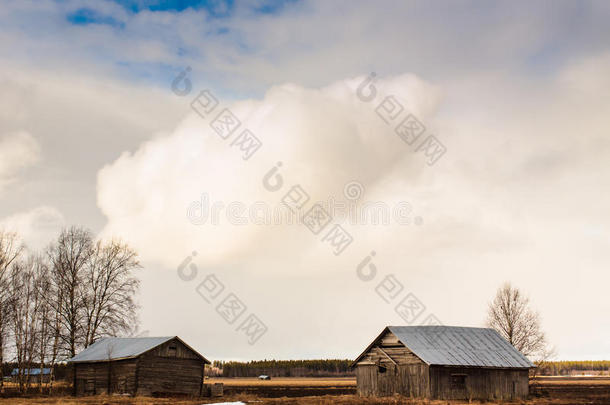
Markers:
{"x": 138, "y": 366}
{"x": 442, "y": 362}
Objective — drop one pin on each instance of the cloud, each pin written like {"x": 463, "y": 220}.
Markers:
{"x": 37, "y": 227}
{"x": 18, "y": 151}
{"x": 246, "y": 52}
{"x": 313, "y": 132}
{"x": 76, "y": 124}
{"x": 490, "y": 206}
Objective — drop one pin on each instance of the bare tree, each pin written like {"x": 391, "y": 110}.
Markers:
{"x": 54, "y": 298}
{"x": 543, "y": 358}
{"x": 45, "y": 324}
{"x": 27, "y": 320}
{"x": 69, "y": 257}
{"x": 53, "y": 305}
{"x": 10, "y": 251}
{"x": 108, "y": 301}
{"x": 511, "y": 316}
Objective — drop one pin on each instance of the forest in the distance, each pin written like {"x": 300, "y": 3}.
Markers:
{"x": 341, "y": 368}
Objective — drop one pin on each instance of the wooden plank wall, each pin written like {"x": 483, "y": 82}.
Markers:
{"x": 481, "y": 383}
{"x": 389, "y": 368}
{"x": 167, "y": 371}
{"x": 390, "y": 345}
{"x": 94, "y": 378}
{"x": 409, "y": 380}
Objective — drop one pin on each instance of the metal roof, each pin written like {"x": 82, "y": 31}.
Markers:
{"x": 113, "y": 348}
{"x": 460, "y": 346}
{"x": 32, "y": 371}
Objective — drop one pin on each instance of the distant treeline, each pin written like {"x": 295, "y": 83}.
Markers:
{"x": 574, "y": 367}
{"x": 286, "y": 368}
{"x": 340, "y": 368}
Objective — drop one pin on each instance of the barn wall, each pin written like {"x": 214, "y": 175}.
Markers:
{"x": 387, "y": 350}
{"x": 480, "y": 383}
{"x": 171, "y": 368}
{"x": 114, "y": 377}
{"x": 388, "y": 368}
{"x": 409, "y": 380}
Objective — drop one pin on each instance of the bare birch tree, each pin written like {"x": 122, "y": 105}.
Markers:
{"x": 109, "y": 303}
{"x": 509, "y": 313}
{"x": 45, "y": 325}
{"x": 69, "y": 257}
{"x": 27, "y": 320}
{"x": 10, "y": 251}
{"x": 51, "y": 306}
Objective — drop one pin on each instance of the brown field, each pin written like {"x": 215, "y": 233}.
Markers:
{"x": 286, "y": 382}
{"x": 327, "y": 391}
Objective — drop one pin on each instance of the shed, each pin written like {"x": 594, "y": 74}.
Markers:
{"x": 36, "y": 375}
{"x": 138, "y": 366}
{"x": 442, "y": 362}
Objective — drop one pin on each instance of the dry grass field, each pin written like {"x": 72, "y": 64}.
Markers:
{"x": 286, "y": 382}
{"x": 283, "y": 391}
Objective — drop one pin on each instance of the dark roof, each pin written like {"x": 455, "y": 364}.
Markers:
{"x": 457, "y": 346}
{"x": 32, "y": 371}
{"x": 113, "y": 348}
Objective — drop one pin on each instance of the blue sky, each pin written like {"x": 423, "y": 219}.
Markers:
{"x": 544, "y": 37}
{"x": 215, "y": 9}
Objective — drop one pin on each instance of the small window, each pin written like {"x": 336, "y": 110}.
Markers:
{"x": 172, "y": 350}
{"x": 382, "y": 369}
{"x": 458, "y": 381}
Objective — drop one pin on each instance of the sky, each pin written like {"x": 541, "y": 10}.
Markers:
{"x": 110, "y": 118}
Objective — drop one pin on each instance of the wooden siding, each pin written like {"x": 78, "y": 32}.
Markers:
{"x": 389, "y": 368}
{"x": 409, "y": 380}
{"x": 480, "y": 383}
{"x": 181, "y": 351}
{"x": 114, "y": 377}
{"x": 168, "y": 371}
{"x": 388, "y": 350}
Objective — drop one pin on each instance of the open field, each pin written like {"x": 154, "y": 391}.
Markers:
{"x": 286, "y": 381}
{"x": 315, "y": 391}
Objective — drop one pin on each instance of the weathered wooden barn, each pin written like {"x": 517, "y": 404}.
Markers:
{"x": 442, "y": 362}
{"x": 138, "y": 366}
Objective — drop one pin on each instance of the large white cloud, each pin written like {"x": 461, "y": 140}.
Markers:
{"x": 489, "y": 206}
{"x": 324, "y": 138}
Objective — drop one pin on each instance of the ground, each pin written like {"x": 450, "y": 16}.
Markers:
{"x": 327, "y": 391}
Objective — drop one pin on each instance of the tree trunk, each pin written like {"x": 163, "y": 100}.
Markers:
{"x": 1, "y": 351}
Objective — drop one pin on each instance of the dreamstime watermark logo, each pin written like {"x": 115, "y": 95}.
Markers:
{"x": 291, "y": 210}
{"x": 408, "y": 128}
{"x": 230, "y": 308}
{"x": 317, "y": 218}
{"x": 225, "y": 124}
{"x": 389, "y": 289}
{"x": 353, "y": 190}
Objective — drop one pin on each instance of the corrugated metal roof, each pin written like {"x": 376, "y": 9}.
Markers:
{"x": 32, "y": 371}
{"x": 113, "y": 348}
{"x": 460, "y": 346}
